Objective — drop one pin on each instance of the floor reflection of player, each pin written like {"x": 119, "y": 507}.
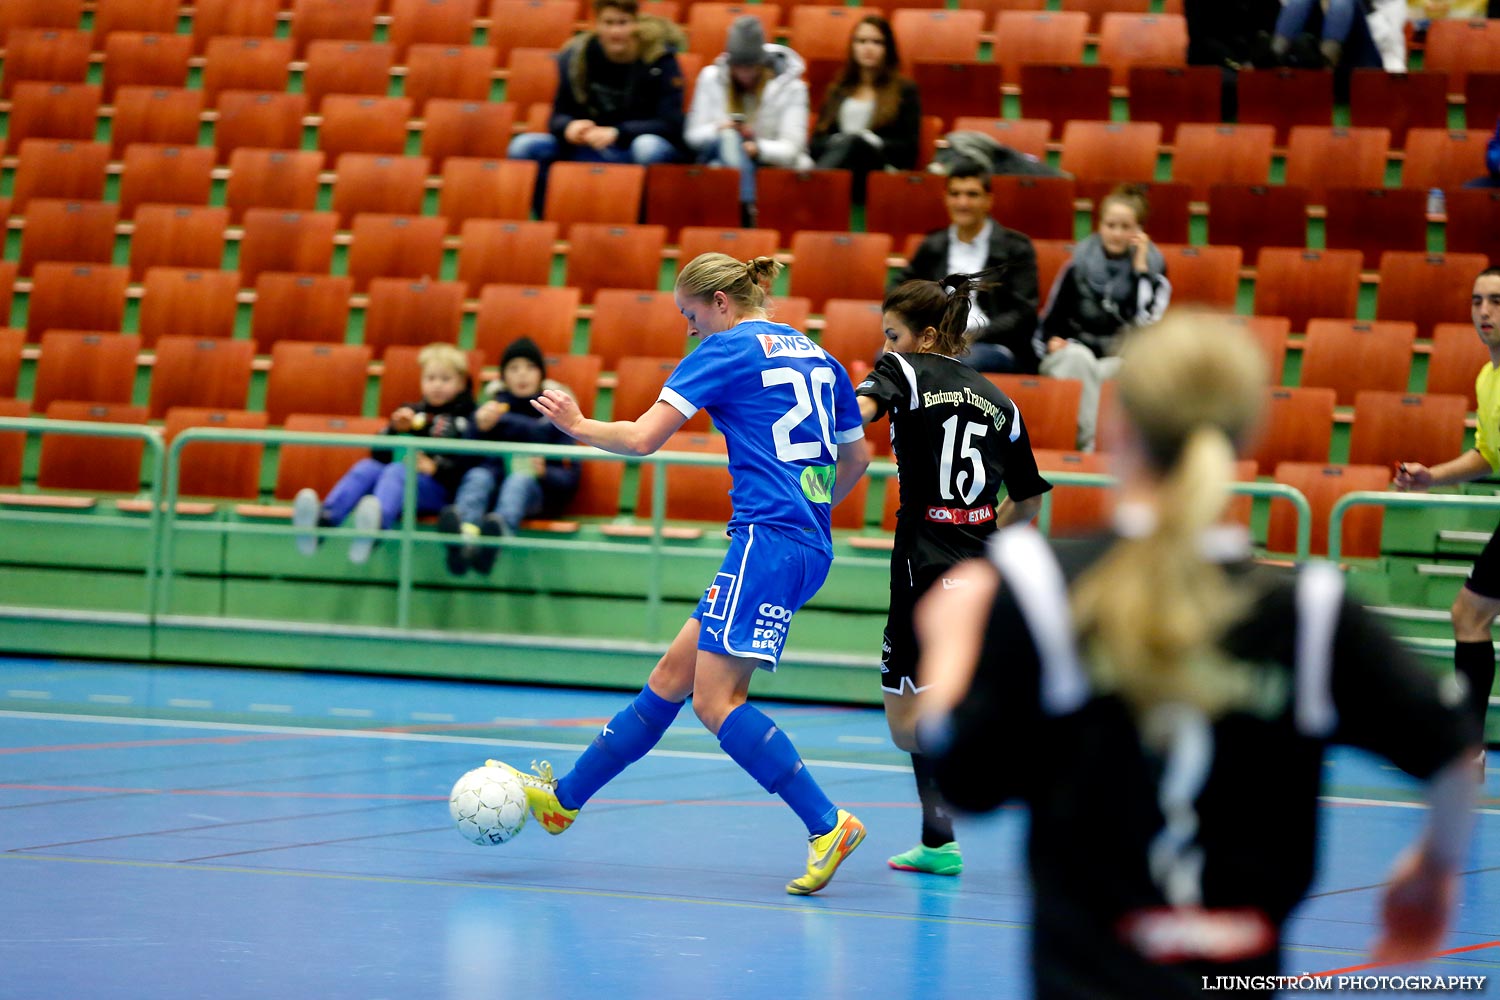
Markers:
{"x": 796, "y": 448}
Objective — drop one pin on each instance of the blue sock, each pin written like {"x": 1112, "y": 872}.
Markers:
{"x": 625, "y": 739}
{"x": 755, "y": 743}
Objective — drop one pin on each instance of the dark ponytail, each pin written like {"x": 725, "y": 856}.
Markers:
{"x": 941, "y": 306}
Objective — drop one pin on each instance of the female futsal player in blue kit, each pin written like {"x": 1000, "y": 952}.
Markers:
{"x": 796, "y": 448}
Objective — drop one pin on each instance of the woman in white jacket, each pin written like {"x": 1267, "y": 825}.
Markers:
{"x": 750, "y": 108}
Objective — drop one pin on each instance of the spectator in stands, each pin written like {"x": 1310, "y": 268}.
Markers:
{"x": 1422, "y": 13}
{"x": 750, "y": 109}
{"x": 1356, "y": 34}
{"x": 534, "y": 484}
{"x": 1491, "y": 178}
{"x": 871, "y": 117}
{"x": 374, "y": 487}
{"x": 1115, "y": 281}
{"x": 1002, "y": 316}
{"x": 619, "y": 95}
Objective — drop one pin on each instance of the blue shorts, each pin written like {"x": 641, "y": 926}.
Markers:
{"x": 765, "y": 578}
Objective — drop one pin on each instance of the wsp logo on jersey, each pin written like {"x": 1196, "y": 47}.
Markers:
{"x": 718, "y": 595}
{"x": 780, "y": 345}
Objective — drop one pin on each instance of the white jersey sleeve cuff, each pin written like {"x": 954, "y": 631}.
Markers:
{"x": 851, "y": 435}
{"x": 675, "y": 401}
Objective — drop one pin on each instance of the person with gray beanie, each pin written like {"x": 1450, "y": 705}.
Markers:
{"x": 750, "y": 108}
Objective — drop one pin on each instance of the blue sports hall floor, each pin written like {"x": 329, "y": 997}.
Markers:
{"x": 174, "y": 832}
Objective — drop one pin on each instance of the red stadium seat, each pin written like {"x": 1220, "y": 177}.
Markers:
{"x": 213, "y": 373}
{"x": 1347, "y": 356}
{"x": 412, "y": 313}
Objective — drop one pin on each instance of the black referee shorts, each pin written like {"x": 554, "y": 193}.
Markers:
{"x": 1484, "y": 578}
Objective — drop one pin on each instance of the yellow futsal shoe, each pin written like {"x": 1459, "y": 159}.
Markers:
{"x": 826, "y": 853}
{"x": 541, "y": 795}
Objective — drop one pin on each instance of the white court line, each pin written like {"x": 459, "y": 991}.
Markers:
{"x": 365, "y": 734}
{"x": 111, "y": 699}
{"x": 189, "y": 703}
{"x": 278, "y": 709}
{"x": 352, "y": 713}
{"x": 433, "y": 717}
{"x": 30, "y": 695}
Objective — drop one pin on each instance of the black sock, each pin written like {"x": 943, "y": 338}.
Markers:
{"x": 937, "y": 824}
{"x": 1475, "y": 663}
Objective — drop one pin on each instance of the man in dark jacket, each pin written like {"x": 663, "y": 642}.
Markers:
{"x": 619, "y": 95}
{"x": 1004, "y": 314}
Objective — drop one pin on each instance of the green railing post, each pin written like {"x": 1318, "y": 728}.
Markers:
{"x": 408, "y": 532}
{"x": 1391, "y": 499}
{"x": 658, "y": 522}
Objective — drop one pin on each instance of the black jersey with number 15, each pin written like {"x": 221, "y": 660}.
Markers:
{"x": 957, "y": 439}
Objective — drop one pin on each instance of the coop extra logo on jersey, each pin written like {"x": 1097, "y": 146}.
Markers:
{"x": 770, "y": 627}
{"x": 817, "y": 483}
{"x": 718, "y": 595}
{"x": 961, "y": 515}
{"x": 780, "y": 345}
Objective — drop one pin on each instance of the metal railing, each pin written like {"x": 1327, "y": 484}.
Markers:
{"x": 1393, "y": 500}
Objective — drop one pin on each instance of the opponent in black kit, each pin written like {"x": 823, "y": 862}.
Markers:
{"x": 957, "y": 439}
{"x": 1162, "y": 706}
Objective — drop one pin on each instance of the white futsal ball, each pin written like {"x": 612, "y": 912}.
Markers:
{"x": 488, "y": 805}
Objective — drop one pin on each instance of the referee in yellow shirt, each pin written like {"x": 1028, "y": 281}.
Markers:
{"x": 1478, "y": 601}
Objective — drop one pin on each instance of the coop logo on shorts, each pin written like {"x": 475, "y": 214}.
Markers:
{"x": 718, "y": 595}
{"x": 780, "y": 345}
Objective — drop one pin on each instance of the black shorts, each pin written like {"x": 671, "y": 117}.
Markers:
{"x": 898, "y": 650}
{"x": 1484, "y": 578}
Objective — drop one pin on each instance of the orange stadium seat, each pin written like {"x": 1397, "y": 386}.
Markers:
{"x": 1457, "y": 357}
{"x": 172, "y": 116}
{"x": 23, "y": 14}
{"x": 937, "y": 36}
{"x": 694, "y": 492}
{"x": 11, "y": 343}
{"x": 145, "y": 60}
{"x": 76, "y": 297}
{"x": 344, "y": 20}
{"x": 839, "y": 266}
{"x": 1481, "y": 100}
{"x": 1284, "y": 98}
{"x": 450, "y": 72}
{"x": 1106, "y": 151}
{"x": 1456, "y": 47}
{"x": 1398, "y": 101}
{"x": 1040, "y": 207}
{"x": 1076, "y": 510}
{"x": 434, "y": 22}
{"x": 495, "y": 251}
{"x": 1473, "y": 220}
{"x": 1130, "y": 39}
{"x": 236, "y": 63}
{"x": 628, "y": 323}
{"x": 156, "y": 16}
{"x": 1270, "y": 335}
{"x": 1298, "y": 427}
{"x": 363, "y": 124}
{"x": 272, "y": 178}
{"x": 1206, "y": 154}
{"x": 177, "y": 236}
{"x": 261, "y": 119}
{"x": 1049, "y": 407}
{"x": 71, "y": 231}
{"x": 1348, "y": 355}
{"x": 1442, "y": 158}
{"x": 687, "y": 194}
{"x": 607, "y": 193}
{"x": 803, "y": 199}
{"x": 53, "y": 111}
{"x": 12, "y": 446}
{"x": 1051, "y": 255}
{"x": 1427, "y": 289}
{"x": 708, "y": 23}
{"x": 1174, "y": 95}
{"x": 1022, "y": 37}
{"x": 412, "y": 313}
{"x": 548, "y": 314}
{"x": 1062, "y": 92}
{"x": 213, "y": 373}
{"x": 87, "y": 366}
{"x": 900, "y": 204}
{"x": 1323, "y": 485}
{"x": 1255, "y": 216}
{"x": 316, "y": 378}
{"x": 377, "y": 183}
{"x": 218, "y": 469}
{"x": 533, "y": 76}
{"x": 475, "y": 129}
{"x": 485, "y": 189}
{"x": 1373, "y": 220}
{"x": 277, "y": 240}
{"x": 603, "y": 256}
{"x": 49, "y": 168}
{"x": 580, "y": 373}
{"x": 347, "y": 68}
{"x": 852, "y": 331}
{"x": 1391, "y": 427}
{"x": 100, "y": 465}
{"x": 531, "y": 24}
{"x": 951, "y": 89}
{"x": 822, "y": 32}
{"x": 1306, "y": 284}
{"x": 187, "y": 302}
{"x": 235, "y": 18}
{"x": 1204, "y": 276}
{"x": 165, "y": 175}
{"x": 1321, "y": 157}
{"x": 306, "y": 307}
{"x": 48, "y": 54}
{"x": 741, "y": 244}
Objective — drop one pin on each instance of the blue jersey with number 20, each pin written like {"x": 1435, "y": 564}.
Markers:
{"x": 784, "y": 407}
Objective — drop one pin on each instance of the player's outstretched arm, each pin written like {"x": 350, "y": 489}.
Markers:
{"x": 1416, "y": 476}
{"x": 854, "y": 459}
{"x": 641, "y": 436}
{"x": 1420, "y": 897}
